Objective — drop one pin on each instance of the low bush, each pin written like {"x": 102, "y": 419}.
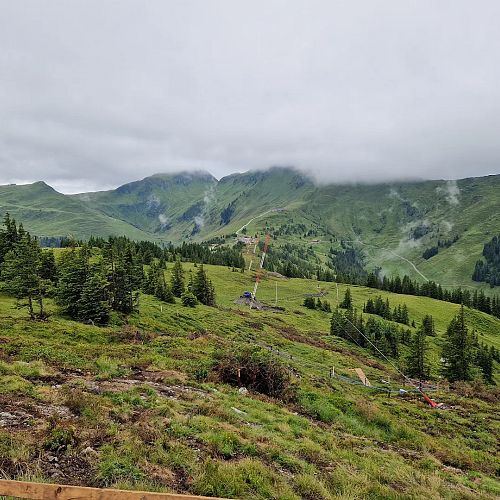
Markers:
{"x": 257, "y": 370}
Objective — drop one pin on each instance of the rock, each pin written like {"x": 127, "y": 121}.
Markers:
{"x": 243, "y": 390}
{"x": 89, "y": 451}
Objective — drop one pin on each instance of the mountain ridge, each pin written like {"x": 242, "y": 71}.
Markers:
{"x": 391, "y": 223}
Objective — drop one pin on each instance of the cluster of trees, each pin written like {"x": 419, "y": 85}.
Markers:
{"x": 375, "y": 335}
{"x": 90, "y": 282}
{"x": 463, "y": 356}
{"x": 291, "y": 261}
{"x": 477, "y": 299}
{"x": 27, "y": 272}
{"x": 383, "y": 309}
{"x": 348, "y": 264}
{"x": 489, "y": 271}
{"x": 147, "y": 251}
{"x": 318, "y": 304}
{"x": 431, "y": 251}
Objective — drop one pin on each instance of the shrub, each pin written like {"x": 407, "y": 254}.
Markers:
{"x": 188, "y": 299}
{"x": 256, "y": 369}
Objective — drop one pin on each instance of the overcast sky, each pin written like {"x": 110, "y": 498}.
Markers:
{"x": 97, "y": 93}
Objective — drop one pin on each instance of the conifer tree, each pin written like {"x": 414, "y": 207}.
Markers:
{"x": 428, "y": 326}
{"x": 177, "y": 280}
{"x": 73, "y": 274}
{"x": 93, "y": 305}
{"x": 48, "y": 267}
{"x": 417, "y": 358}
{"x": 188, "y": 299}
{"x": 203, "y": 288}
{"x": 21, "y": 273}
{"x": 457, "y": 349}
{"x": 347, "y": 302}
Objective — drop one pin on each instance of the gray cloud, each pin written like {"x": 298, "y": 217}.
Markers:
{"x": 94, "y": 94}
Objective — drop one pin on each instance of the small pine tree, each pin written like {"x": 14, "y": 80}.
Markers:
{"x": 347, "y": 302}
{"x": 417, "y": 358}
{"x": 93, "y": 305}
{"x": 188, "y": 299}
{"x": 428, "y": 326}
{"x": 457, "y": 349}
{"x": 202, "y": 287}
{"x": 21, "y": 273}
{"x": 177, "y": 279}
{"x": 309, "y": 303}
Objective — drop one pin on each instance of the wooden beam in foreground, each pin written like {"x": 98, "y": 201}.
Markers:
{"x": 46, "y": 491}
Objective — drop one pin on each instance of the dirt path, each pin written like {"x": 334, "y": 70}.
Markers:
{"x": 258, "y": 217}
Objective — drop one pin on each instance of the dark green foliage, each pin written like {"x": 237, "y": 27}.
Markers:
{"x": 477, "y": 300}
{"x": 73, "y": 273}
{"x": 489, "y": 270}
{"x": 48, "y": 267}
{"x": 458, "y": 350}
{"x": 428, "y": 326}
{"x": 310, "y": 303}
{"x": 9, "y": 236}
{"x": 379, "y": 307}
{"x": 430, "y": 252}
{"x": 257, "y": 370}
{"x": 188, "y": 299}
{"x": 202, "y": 288}
{"x": 347, "y": 302}
{"x": 21, "y": 272}
{"x": 348, "y": 264}
{"x": 291, "y": 260}
{"x": 83, "y": 289}
{"x": 125, "y": 275}
{"x": 417, "y": 362}
{"x": 177, "y": 279}
{"x": 155, "y": 283}
{"x": 484, "y": 360}
{"x": 380, "y": 337}
{"x": 93, "y": 305}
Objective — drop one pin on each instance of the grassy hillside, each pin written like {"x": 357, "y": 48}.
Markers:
{"x": 45, "y": 212}
{"x": 392, "y": 224}
{"x": 137, "y": 405}
{"x": 171, "y": 207}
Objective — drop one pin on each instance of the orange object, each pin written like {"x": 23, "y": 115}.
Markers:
{"x": 429, "y": 401}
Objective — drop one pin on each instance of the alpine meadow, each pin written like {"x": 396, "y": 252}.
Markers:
{"x": 249, "y": 250}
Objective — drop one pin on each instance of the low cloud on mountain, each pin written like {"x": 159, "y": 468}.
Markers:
{"x": 94, "y": 94}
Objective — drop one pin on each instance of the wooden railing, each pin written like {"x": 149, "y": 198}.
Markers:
{"x": 46, "y": 491}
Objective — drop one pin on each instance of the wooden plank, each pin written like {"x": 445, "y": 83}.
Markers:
{"x": 362, "y": 377}
{"x": 45, "y": 491}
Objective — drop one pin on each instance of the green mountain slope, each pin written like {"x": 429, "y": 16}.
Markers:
{"x": 140, "y": 405}
{"x": 45, "y": 212}
{"x": 391, "y": 223}
{"x": 165, "y": 206}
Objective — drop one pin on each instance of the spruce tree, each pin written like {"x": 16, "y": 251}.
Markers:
{"x": 417, "y": 362}
{"x": 73, "y": 273}
{"x": 21, "y": 273}
{"x": 347, "y": 302}
{"x": 457, "y": 350}
{"x": 93, "y": 305}
{"x": 203, "y": 288}
{"x": 48, "y": 267}
{"x": 177, "y": 279}
{"x": 428, "y": 326}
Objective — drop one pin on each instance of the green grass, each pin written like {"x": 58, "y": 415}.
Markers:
{"x": 134, "y": 395}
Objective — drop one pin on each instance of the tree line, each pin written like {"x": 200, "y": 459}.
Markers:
{"x": 88, "y": 282}
{"x": 488, "y": 271}
{"x": 463, "y": 356}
